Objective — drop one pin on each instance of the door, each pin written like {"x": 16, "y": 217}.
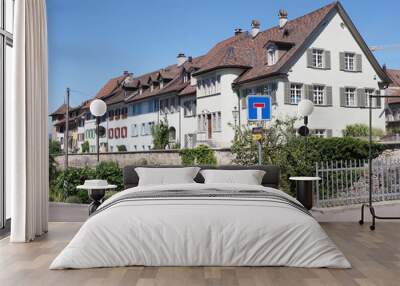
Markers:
{"x": 209, "y": 126}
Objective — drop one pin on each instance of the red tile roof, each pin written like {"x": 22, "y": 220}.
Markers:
{"x": 394, "y": 76}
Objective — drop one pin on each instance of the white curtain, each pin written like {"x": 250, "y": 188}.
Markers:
{"x": 26, "y": 120}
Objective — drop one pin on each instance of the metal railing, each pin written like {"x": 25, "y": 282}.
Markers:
{"x": 346, "y": 182}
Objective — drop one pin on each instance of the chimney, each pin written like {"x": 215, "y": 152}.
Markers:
{"x": 181, "y": 59}
{"x": 255, "y": 27}
{"x": 238, "y": 31}
{"x": 190, "y": 59}
{"x": 282, "y": 18}
{"x": 126, "y": 72}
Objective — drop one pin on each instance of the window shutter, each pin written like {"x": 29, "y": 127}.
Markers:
{"x": 309, "y": 58}
{"x": 309, "y": 92}
{"x": 358, "y": 63}
{"x": 244, "y": 102}
{"x": 327, "y": 58}
{"x": 273, "y": 93}
{"x": 328, "y": 95}
{"x": 287, "y": 93}
{"x": 342, "y": 97}
{"x": 378, "y": 99}
{"x": 361, "y": 97}
{"x": 328, "y": 132}
{"x": 341, "y": 61}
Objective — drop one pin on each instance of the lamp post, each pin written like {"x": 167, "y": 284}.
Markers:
{"x": 305, "y": 108}
{"x": 235, "y": 114}
{"x": 98, "y": 108}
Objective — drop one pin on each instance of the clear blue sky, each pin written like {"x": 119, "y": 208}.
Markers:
{"x": 91, "y": 41}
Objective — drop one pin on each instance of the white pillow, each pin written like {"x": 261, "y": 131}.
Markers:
{"x": 166, "y": 176}
{"x": 248, "y": 177}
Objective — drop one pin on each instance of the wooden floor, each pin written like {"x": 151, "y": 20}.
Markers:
{"x": 375, "y": 257}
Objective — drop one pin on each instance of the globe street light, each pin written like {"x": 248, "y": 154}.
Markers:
{"x": 305, "y": 108}
{"x": 98, "y": 108}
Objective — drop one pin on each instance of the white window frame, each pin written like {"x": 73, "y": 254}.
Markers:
{"x": 369, "y": 91}
{"x": 318, "y": 58}
{"x": 272, "y": 56}
{"x": 319, "y": 133}
{"x": 350, "y": 96}
{"x": 296, "y": 92}
{"x": 349, "y": 61}
{"x": 318, "y": 94}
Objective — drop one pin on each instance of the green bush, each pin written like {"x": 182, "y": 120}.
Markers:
{"x": 201, "y": 155}
{"x": 85, "y": 147}
{"x": 283, "y": 148}
{"x": 160, "y": 134}
{"x": 65, "y": 184}
{"x": 361, "y": 130}
{"x": 121, "y": 148}
{"x": 54, "y": 147}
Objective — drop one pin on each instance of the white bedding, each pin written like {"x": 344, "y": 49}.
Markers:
{"x": 200, "y": 231}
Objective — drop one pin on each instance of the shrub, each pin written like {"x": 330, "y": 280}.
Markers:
{"x": 361, "y": 130}
{"x": 66, "y": 182}
{"x": 54, "y": 147}
{"x": 201, "y": 155}
{"x": 283, "y": 148}
{"x": 85, "y": 147}
{"x": 160, "y": 134}
{"x": 121, "y": 148}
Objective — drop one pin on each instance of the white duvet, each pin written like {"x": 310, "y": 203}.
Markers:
{"x": 200, "y": 231}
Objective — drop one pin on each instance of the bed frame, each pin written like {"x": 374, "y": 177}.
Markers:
{"x": 270, "y": 179}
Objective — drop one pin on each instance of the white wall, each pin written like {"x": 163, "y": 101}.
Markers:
{"x": 335, "y": 39}
{"x": 224, "y": 103}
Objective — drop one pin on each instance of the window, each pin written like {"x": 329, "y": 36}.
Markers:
{"x": 317, "y": 58}
{"x": 209, "y": 86}
{"x": 349, "y": 61}
{"x": 202, "y": 123}
{"x": 117, "y": 114}
{"x": 295, "y": 93}
{"x": 186, "y": 77}
{"x": 350, "y": 96}
{"x": 318, "y": 94}
{"x": 319, "y": 133}
{"x": 111, "y": 115}
{"x": 143, "y": 129}
{"x": 189, "y": 108}
{"x": 134, "y": 130}
{"x": 271, "y": 55}
{"x": 124, "y": 112}
{"x": 368, "y": 93}
{"x": 172, "y": 104}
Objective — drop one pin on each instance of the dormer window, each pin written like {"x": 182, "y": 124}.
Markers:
{"x": 272, "y": 54}
{"x": 186, "y": 77}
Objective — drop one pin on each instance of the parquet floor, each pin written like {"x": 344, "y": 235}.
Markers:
{"x": 375, "y": 257}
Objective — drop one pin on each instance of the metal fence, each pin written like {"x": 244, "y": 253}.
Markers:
{"x": 346, "y": 182}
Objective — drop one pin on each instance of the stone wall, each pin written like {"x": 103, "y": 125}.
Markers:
{"x": 154, "y": 157}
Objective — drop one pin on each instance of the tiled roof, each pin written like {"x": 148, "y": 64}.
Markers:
{"x": 61, "y": 110}
{"x": 394, "y": 76}
{"x": 241, "y": 51}
{"x": 188, "y": 90}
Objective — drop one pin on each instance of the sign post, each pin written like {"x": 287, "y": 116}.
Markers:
{"x": 259, "y": 111}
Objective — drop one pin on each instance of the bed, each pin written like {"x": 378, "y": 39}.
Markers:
{"x": 201, "y": 224}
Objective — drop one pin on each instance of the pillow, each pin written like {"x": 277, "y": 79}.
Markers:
{"x": 248, "y": 177}
{"x": 166, "y": 176}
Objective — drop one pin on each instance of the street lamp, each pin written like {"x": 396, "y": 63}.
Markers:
{"x": 305, "y": 108}
{"x": 235, "y": 114}
{"x": 98, "y": 108}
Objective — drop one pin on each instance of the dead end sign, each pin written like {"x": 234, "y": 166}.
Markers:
{"x": 259, "y": 108}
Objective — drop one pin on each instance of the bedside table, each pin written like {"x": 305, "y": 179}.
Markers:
{"x": 304, "y": 192}
{"x": 96, "y": 190}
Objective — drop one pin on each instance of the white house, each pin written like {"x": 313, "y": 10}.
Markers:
{"x": 320, "y": 56}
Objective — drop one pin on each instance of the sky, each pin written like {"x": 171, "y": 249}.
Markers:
{"x": 91, "y": 41}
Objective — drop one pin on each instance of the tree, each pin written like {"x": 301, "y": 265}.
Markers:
{"x": 54, "y": 147}
{"x": 160, "y": 134}
{"x": 85, "y": 147}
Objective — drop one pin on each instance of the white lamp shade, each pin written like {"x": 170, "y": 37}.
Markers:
{"x": 305, "y": 107}
{"x": 98, "y": 107}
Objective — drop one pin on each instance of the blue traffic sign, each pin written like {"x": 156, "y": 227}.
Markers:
{"x": 259, "y": 108}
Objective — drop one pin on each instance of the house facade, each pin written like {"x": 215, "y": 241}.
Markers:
{"x": 320, "y": 56}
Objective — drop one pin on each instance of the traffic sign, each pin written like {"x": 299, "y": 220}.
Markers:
{"x": 257, "y": 133}
{"x": 259, "y": 108}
